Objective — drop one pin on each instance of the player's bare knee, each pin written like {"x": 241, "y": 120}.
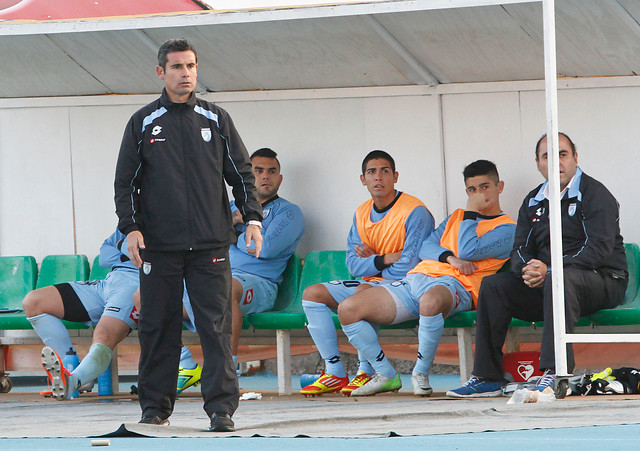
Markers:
{"x": 33, "y": 304}
{"x": 316, "y": 293}
{"x": 431, "y": 305}
{"x": 348, "y": 312}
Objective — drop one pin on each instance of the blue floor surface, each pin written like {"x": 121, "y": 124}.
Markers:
{"x": 586, "y": 438}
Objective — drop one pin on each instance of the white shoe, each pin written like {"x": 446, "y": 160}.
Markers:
{"x": 379, "y": 384}
{"x": 420, "y": 384}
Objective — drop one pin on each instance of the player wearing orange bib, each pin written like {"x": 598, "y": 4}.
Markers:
{"x": 467, "y": 246}
{"x": 382, "y": 247}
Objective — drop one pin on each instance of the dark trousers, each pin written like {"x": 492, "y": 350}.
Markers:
{"x": 505, "y": 296}
{"x": 207, "y": 275}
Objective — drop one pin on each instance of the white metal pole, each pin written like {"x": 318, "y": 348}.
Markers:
{"x": 551, "y": 90}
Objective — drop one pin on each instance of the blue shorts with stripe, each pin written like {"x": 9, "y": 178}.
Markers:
{"x": 112, "y": 296}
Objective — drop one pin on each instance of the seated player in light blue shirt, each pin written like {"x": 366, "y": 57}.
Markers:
{"x": 105, "y": 304}
{"x": 255, "y": 280}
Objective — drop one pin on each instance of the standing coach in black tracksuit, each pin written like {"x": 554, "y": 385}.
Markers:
{"x": 594, "y": 268}
{"x": 171, "y": 199}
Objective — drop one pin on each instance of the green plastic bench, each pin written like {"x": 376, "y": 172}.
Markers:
{"x": 62, "y": 268}
{"x": 98, "y": 272}
{"x": 285, "y": 314}
{"x": 628, "y": 313}
{"x": 18, "y": 276}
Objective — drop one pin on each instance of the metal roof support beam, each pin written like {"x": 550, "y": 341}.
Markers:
{"x": 414, "y": 70}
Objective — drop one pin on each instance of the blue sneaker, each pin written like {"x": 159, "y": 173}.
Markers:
{"x": 546, "y": 380}
{"x": 477, "y": 387}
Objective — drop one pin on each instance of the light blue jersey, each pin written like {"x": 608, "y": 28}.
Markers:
{"x": 282, "y": 228}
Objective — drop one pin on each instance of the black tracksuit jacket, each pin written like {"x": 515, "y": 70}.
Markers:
{"x": 591, "y": 237}
{"x": 170, "y": 177}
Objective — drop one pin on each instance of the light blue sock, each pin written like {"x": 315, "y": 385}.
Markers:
{"x": 323, "y": 331}
{"x": 186, "y": 361}
{"x": 429, "y": 332}
{"x": 363, "y": 364}
{"x": 363, "y": 336}
{"x": 52, "y": 332}
{"x": 94, "y": 364}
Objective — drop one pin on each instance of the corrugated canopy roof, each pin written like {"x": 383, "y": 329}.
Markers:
{"x": 362, "y": 44}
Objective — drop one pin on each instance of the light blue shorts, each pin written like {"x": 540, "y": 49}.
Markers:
{"x": 342, "y": 289}
{"x": 258, "y": 295}
{"x": 409, "y": 290}
{"x": 112, "y": 296}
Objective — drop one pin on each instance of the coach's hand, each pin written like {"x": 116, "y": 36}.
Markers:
{"x": 135, "y": 242}
{"x": 253, "y": 234}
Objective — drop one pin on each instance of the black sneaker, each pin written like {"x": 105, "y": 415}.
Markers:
{"x": 154, "y": 419}
{"x": 221, "y": 422}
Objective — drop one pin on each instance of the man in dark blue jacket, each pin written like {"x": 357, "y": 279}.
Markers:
{"x": 594, "y": 266}
{"x": 172, "y": 203}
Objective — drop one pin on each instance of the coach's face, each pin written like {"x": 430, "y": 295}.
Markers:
{"x": 180, "y": 75}
{"x": 567, "y": 157}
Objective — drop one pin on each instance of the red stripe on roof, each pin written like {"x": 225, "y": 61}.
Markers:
{"x": 43, "y": 10}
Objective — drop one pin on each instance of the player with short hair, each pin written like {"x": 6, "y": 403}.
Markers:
{"x": 255, "y": 280}
{"x": 467, "y": 246}
{"x": 105, "y": 304}
{"x": 382, "y": 246}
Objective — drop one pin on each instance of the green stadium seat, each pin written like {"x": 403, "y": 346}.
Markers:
{"x": 63, "y": 268}
{"x": 287, "y": 309}
{"x": 98, "y": 272}
{"x": 18, "y": 276}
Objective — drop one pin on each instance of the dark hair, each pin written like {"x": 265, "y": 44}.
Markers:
{"x": 265, "y": 152}
{"x": 174, "y": 45}
{"x": 378, "y": 154}
{"x": 573, "y": 146}
{"x": 481, "y": 167}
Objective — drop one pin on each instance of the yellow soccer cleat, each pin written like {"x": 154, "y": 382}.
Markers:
{"x": 326, "y": 383}
{"x": 357, "y": 382}
{"x": 188, "y": 378}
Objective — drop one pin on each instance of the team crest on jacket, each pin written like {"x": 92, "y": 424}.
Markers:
{"x": 206, "y": 134}
{"x": 572, "y": 209}
{"x": 146, "y": 268}
{"x": 265, "y": 213}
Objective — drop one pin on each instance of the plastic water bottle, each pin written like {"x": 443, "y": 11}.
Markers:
{"x": 104, "y": 383}
{"x": 308, "y": 379}
{"x": 71, "y": 362}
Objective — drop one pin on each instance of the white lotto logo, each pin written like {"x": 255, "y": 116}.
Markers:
{"x": 206, "y": 134}
{"x": 156, "y": 130}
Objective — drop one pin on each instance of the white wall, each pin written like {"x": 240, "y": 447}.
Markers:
{"x": 53, "y": 148}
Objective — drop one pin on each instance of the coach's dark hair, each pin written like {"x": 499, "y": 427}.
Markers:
{"x": 378, "y": 154}
{"x": 573, "y": 146}
{"x": 174, "y": 45}
{"x": 481, "y": 167}
{"x": 265, "y": 152}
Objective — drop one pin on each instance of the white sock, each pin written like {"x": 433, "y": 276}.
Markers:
{"x": 94, "y": 364}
